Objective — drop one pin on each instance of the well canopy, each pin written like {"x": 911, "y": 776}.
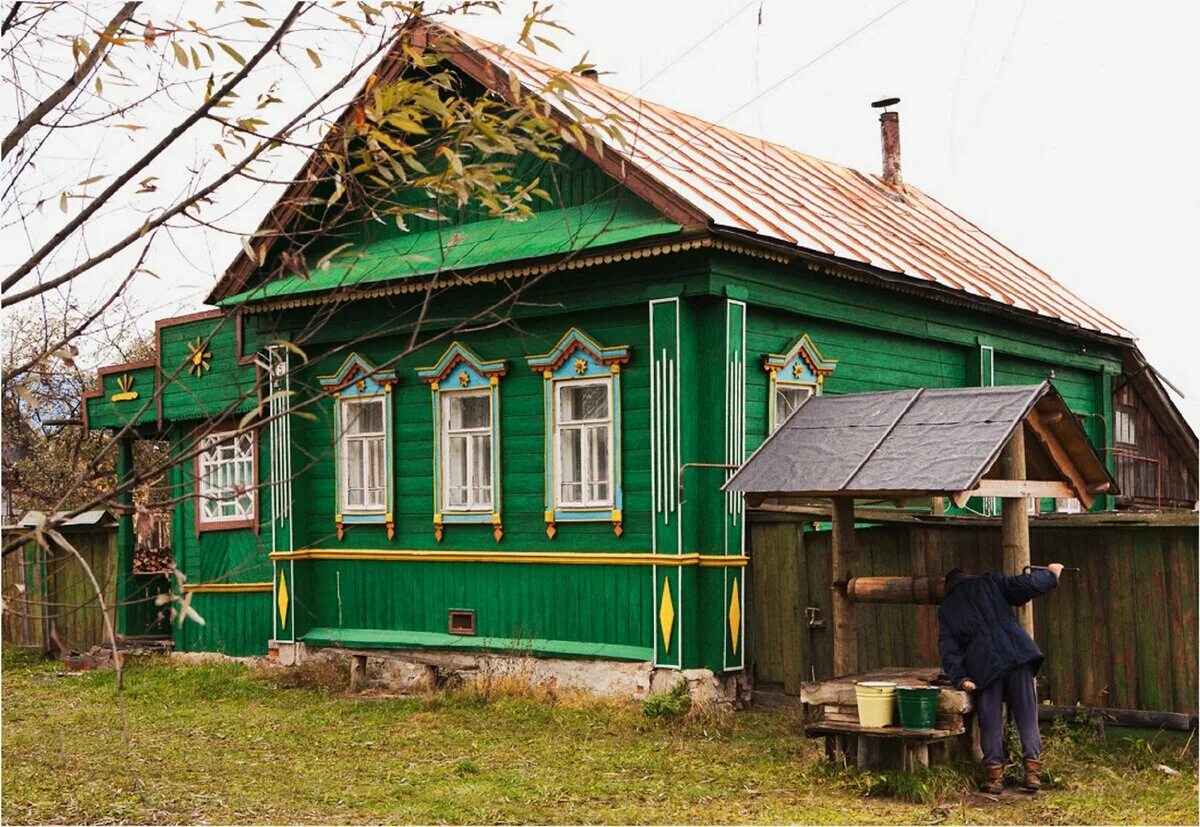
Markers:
{"x": 918, "y": 442}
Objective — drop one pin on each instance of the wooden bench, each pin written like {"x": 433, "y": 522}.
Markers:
{"x": 868, "y": 745}
{"x": 833, "y": 715}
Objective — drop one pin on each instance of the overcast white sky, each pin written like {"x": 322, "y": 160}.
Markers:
{"x": 1068, "y": 130}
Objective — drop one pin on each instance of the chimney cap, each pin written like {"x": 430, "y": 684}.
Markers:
{"x": 884, "y": 103}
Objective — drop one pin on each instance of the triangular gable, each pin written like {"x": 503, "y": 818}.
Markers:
{"x": 668, "y": 214}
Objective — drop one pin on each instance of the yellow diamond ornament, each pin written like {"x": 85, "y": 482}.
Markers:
{"x": 735, "y": 616}
{"x": 666, "y": 614}
{"x": 282, "y": 600}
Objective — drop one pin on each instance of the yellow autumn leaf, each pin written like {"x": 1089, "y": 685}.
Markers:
{"x": 232, "y": 52}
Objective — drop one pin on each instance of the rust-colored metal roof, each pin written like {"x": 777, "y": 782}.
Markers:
{"x": 750, "y": 185}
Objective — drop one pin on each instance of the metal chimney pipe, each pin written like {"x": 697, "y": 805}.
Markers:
{"x": 889, "y": 133}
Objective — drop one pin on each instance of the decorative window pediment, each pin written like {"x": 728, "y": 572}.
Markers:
{"x": 362, "y": 426}
{"x": 578, "y": 356}
{"x": 459, "y": 367}
{"x": 466, "y": 439}
{"x": 795, "y": 375}
{"x": 358, "y": 376}
{"x": 583, "y": 430}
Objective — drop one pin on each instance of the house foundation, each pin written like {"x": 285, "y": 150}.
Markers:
{"x": 418, "y": 670}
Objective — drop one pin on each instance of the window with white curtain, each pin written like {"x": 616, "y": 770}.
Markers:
{"x": 788, "y": 398}
{"x": 362, "y": 450}
{"x": 466, "y": 424}
{"x": 225, "y": 472}
{"x": 583, "y": 443}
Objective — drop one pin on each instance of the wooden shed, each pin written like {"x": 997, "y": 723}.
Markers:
{"x": 48, "y": 588}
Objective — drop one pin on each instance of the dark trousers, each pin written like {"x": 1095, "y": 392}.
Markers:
{"x": 1015, "y": 688}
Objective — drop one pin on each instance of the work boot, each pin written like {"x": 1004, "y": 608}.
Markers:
{"x": 993, "y": 783}
{"x": 1033, "y": 775}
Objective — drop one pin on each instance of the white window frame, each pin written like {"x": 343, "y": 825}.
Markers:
{"x": 345, "y": 438}
{"x": 778, "y": 390}
{"x": 585, "y": 425}
{"x": 210, "y": 463}
{"x": 447, "y": 434}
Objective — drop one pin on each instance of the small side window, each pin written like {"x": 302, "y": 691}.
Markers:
{"x": 225, "y": 481}
{"x": 1124, "y": 427}
{"x": 787, "y": 399}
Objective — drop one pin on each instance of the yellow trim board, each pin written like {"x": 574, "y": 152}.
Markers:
{"x": 228, "y": 588}
{"x": 582, "y": 558}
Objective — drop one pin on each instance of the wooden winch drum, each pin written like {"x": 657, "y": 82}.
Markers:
{"x": 919, "y": 590}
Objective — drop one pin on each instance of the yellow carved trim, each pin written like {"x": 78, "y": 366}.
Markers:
{"x": 582, "y": 558}
{"x": 227, "y": 588}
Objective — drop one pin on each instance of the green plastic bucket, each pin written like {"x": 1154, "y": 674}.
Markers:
{"x": 876, "y": 703}
{"x": 918, "y": 707}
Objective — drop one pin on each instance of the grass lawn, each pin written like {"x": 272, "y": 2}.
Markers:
{"x": 222, "y": 743}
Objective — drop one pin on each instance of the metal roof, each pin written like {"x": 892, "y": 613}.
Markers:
{"x": 100, "y": 516}
{"x": 750, "y": 185}
{"x": 912, "y": 442}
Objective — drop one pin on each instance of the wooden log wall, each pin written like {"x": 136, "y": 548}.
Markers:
{"x": 1121, "y": 633}
{"x": 1150, "y": 472}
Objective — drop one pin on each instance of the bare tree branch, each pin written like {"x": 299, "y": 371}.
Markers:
{"x": 121, "y": 180}
{"x": 103, "y": 44}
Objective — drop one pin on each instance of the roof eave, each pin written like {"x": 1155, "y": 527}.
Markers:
{"x": 899, "y": 281}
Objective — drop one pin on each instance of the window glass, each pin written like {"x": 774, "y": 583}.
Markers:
{"x": 787, "y": 399}
{"x": 584, "y": 456}
{"x": 579, "y": 403}
{"x": 363, "y": 446}
{"x": 467, "y": 451}
{"x": 1126, "y": 432}
{"x": 226, "y": 477}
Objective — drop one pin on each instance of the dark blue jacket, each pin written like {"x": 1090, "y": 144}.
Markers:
{"x": 978, "y": 635}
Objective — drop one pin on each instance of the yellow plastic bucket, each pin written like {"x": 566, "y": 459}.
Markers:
{"x": 876, "y": 703}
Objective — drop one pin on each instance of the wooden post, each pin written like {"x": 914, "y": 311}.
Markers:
{"x": 126, "y": 538}
{"x": 845, "y": 635}
{"x": 1014, "y": 526}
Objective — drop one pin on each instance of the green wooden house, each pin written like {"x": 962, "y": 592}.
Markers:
{"x": 538, "y": 471}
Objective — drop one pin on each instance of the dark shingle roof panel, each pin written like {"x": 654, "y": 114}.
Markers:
{"x": 912, "y": 441}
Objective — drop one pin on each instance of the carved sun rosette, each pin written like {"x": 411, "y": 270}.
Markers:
{"x": 200, "y": 359}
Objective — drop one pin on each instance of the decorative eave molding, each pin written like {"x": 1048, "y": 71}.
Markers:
{"x": 679, "y": 243}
